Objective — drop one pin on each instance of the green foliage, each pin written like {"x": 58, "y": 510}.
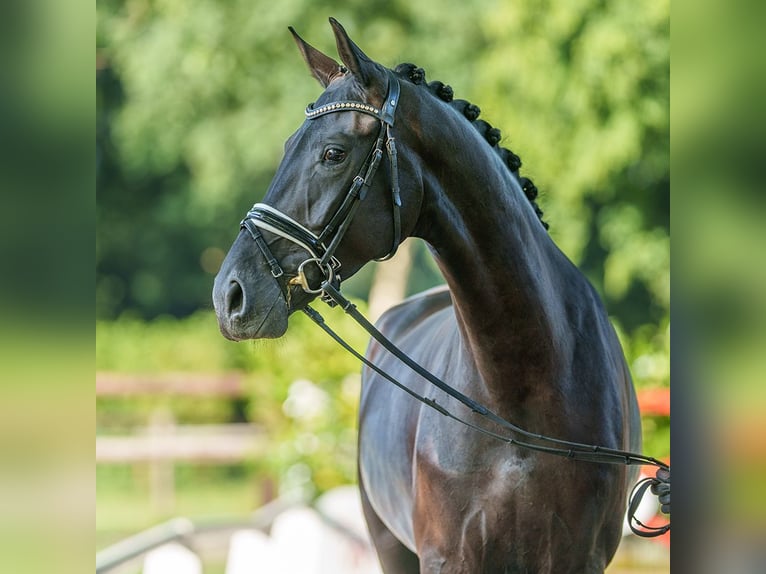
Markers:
{"x": 125, "y": 505}
{"x": 196, "y": 98}
{"x": 302, "y": 390}
{"x": 194, "y": 344}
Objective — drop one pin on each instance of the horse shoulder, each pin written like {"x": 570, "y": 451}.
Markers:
{"x": 397, "y": 321}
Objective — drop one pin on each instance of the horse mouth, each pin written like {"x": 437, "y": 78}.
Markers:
{"x": 270, "y": 323}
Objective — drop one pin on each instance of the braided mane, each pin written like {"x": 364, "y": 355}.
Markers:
{"x": 415, "y": 75}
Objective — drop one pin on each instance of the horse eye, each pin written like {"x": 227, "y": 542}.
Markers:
{"x": 334, "y": 155}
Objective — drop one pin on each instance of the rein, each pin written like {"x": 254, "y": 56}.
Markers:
{"x": 322, "y": 248}
{"x": 659, "y": 484}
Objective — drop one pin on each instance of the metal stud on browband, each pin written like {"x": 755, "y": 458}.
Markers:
{"x": 386, "y": 114}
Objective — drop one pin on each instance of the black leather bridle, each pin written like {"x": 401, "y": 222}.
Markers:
{"x": 322, "y": 247}
{"x": 263, "y": 216}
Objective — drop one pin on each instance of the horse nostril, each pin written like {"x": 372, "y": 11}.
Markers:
{"x": 235, "y": 298}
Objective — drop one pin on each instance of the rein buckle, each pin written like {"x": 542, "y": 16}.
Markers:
{"x": 328, "y": 271}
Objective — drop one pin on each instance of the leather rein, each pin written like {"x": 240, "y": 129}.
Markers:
{"x": 322, "y": 248}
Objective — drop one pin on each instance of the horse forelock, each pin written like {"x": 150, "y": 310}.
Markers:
{"x": 343, "y": 87}
{"x": 491, "y": 135}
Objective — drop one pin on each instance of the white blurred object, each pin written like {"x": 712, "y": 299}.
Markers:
{"x": 298, "y": 538}
{"x": 172, "y": 557}
{"x": 330, "y": 540}
{"x": 343, "y": 506}
{"x": 647, "y": 508}
{"x": 251, "y": 551}
{"x": 305, "y": 400}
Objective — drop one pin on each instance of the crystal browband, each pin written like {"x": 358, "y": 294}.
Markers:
{"x": 312, "y": 112}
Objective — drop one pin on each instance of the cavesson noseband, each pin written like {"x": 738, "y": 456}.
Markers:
{"x": 322, "y": 247}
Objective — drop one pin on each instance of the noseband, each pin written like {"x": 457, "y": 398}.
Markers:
{"x": 322, "y": 247}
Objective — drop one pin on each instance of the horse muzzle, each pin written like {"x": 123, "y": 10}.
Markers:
{"x": 249, "y": 305}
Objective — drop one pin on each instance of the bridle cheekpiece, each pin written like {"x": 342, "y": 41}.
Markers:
{"x": 322, "y": 247}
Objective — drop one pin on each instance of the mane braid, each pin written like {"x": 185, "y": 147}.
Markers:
{"x": 417, "y": 76}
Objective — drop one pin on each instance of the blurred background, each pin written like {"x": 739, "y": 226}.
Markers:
{"x": 194, "y": 101}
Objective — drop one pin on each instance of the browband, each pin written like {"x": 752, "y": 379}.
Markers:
{"x": 385, "y": 115}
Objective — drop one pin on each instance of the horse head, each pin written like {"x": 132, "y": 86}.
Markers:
{"x": 334, "y": 203}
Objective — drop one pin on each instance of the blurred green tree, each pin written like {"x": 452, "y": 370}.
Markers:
{"x": 195, "y": 98}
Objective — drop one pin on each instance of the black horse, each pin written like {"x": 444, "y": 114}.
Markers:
{"x": 519, "y": 328}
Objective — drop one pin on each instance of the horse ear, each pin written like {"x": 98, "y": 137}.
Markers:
{"x": 351, "y": 54}
{"x": 322, "y": 67}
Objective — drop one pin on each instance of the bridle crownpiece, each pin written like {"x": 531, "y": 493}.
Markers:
{"x": 387, "y": 114}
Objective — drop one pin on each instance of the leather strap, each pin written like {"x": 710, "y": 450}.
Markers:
{"x": 554, "y": 446}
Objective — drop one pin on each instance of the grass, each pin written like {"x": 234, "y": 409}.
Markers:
{"x": 125, "y": 504}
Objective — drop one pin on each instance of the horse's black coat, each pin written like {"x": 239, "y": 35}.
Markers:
{"x": 518, "y": 329}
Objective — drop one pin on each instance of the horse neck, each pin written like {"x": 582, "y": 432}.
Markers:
{"x": 505, "y": 273}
